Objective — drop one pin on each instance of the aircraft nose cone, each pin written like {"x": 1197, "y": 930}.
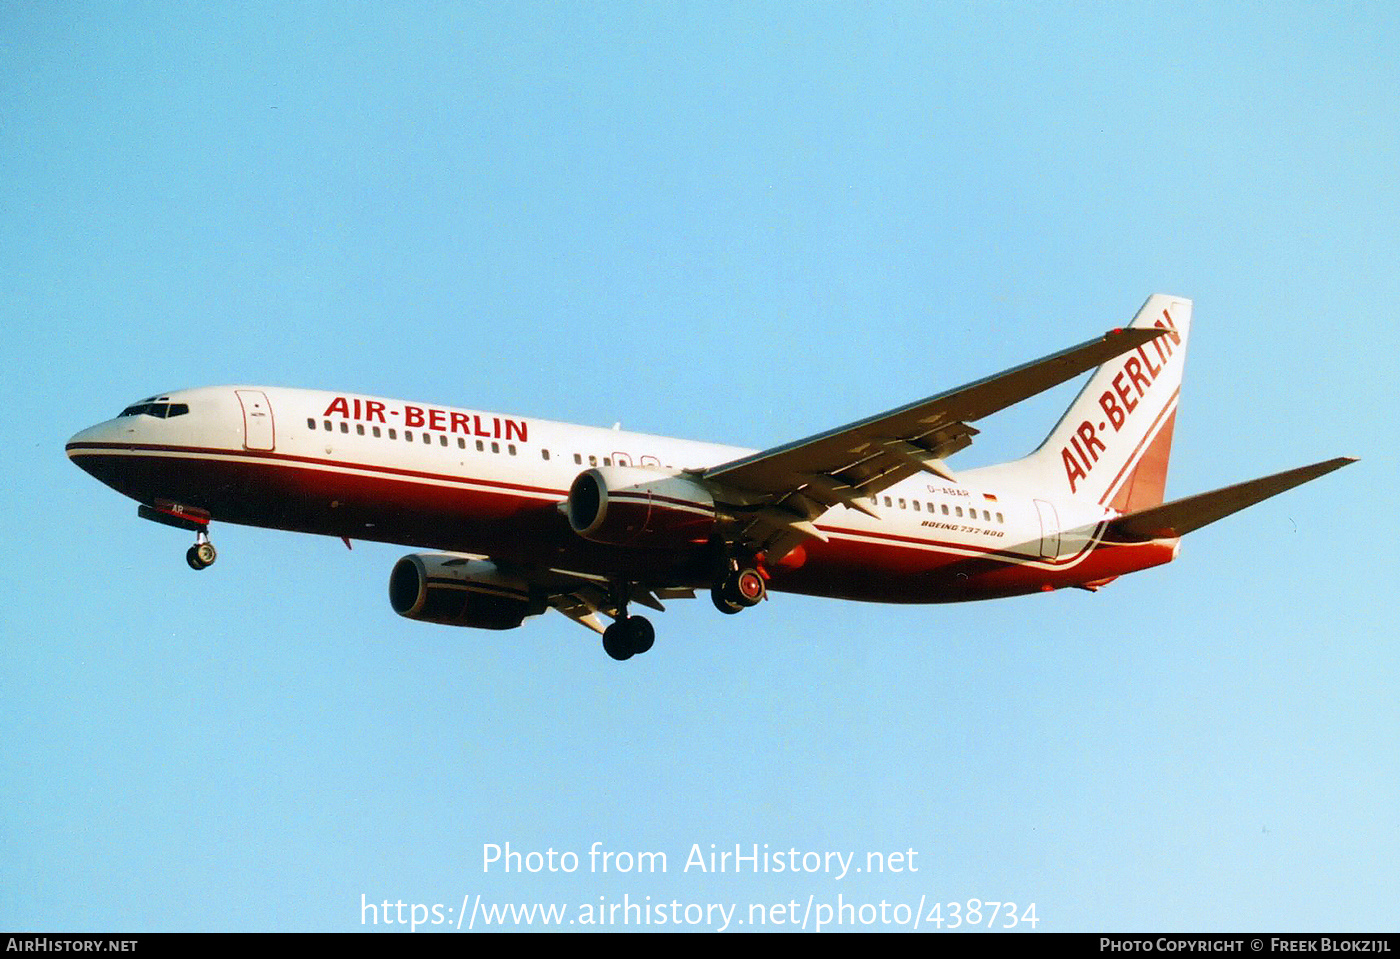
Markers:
{"x": 85, "y": 448}
{"x": 93, "y": 434}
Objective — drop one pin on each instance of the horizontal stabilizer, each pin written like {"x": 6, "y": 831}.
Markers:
{"x": 1180, "y": 517}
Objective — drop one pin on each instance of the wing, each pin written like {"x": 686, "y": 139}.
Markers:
{"x": 789, "y": 487}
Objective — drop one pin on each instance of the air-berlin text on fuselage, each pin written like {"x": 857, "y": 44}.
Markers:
{"x": 429, "y": 418}
{"x": 1130, "y": 385}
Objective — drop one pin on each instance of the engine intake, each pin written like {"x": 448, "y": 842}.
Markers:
{"x": 460, "y": 591}
{"x": 630, "y": 506}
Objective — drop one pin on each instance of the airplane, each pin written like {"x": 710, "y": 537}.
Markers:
{"x": 519, "y": 515}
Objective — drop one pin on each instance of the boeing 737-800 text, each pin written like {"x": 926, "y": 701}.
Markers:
{"x": 524, "y": 514}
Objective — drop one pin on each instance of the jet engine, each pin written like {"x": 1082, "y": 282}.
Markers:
{"x": 460, "y": 591}
{"x": 630, "y": 506}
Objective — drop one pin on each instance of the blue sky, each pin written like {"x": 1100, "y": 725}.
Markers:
{"x": 739, "y": 223}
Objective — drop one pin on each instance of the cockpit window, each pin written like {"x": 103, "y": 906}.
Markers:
{"x": 160, "y": 411}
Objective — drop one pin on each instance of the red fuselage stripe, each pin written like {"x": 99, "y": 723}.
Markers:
{"x": 394, "y": 471}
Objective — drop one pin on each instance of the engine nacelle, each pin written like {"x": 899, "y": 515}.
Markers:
{"x": 460, "y": 591}
{"x": 629, "y": 506}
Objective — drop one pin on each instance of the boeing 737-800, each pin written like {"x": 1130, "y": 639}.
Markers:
{"x": 523, "y": 515}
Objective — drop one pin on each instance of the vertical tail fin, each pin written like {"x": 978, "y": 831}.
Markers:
{"x": 1112, "y": 445}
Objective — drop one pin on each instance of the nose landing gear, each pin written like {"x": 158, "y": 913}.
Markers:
{"x": 190, "y": 518}
{"x": 201, "y": 554}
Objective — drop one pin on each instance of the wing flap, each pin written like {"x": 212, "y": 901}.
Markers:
{"x": 585, "y": 598}
{"x": 579, "y": 612}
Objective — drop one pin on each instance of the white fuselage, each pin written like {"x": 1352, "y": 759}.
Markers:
{"x": 490, "y": 484}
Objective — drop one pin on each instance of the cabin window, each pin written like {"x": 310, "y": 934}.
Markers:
{"x": 344, "y": 426}
{"x": 592, "y": 461}
{"x": 375, "y": 430}
{"x": 945, "y": 509}
{"x": 888, "y": 501}
{"x": 999, "y": 519}
{"x": 310, "y": 423}
{"x": 360, "y": 428}
{"x": 578, "y": 459}
{"x": 510, "y": 448}
{"x": 495, "y": 447}
{"x": 544, "y": 454}
{"x": 328, "y": 426}
{"x": 461, "y": 443}
{"x": 916, "y": 506}
{"x": 480, "y": 446}
{"x": 393, "y": 433}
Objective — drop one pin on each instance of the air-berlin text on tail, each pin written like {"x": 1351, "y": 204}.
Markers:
{"x": 1130, "y": 385}
{"x": 429, "y": 418}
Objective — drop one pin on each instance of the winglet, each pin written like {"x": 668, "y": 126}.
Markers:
{"x": 1182, "y": 516}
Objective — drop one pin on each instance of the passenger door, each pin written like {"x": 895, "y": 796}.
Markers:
{"x": 258, "y": 433}
{"x": 1049, "y": 530}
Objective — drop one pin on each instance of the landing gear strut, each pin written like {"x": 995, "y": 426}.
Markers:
{"x": 742, "y": 587}
{"x": 201, "y": 554}
{"x": 628, "y": 635}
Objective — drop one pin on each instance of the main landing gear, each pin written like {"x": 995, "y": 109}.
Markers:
{"x": 628, "y": 636}
{"x": 741, "y": 587}
{"x": 201, "y": 554}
